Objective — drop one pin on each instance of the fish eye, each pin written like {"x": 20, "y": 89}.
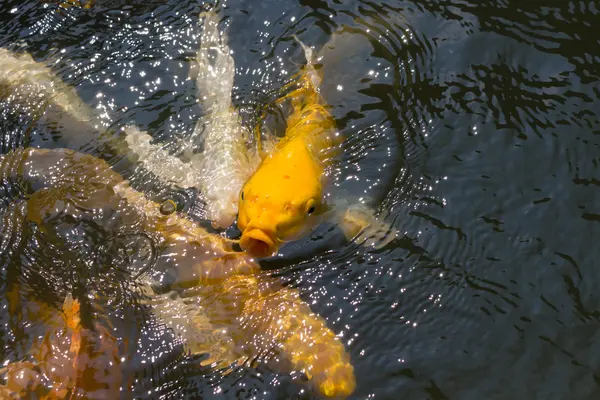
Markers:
{"x": 242, "y": 195}
{"x": 311, "y": 206}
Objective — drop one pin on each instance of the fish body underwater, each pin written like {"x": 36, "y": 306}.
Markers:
{"x": 225, "y": 162}
{"x": 285, "y": 198}
{"x": 218, "y": 172}
{"x": 21, "y": 75}
{"x": 241, "y": 312}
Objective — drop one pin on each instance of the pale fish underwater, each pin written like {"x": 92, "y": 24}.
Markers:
{"x": 240, "y": 311}
{"x": 286, "y": 196}
{"x": 218, "y": 172}
{"x": 223, "y": 166}
{"x": 22, "y": 76}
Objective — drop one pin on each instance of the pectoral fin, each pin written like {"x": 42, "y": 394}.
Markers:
{"x": 360, "y": 224}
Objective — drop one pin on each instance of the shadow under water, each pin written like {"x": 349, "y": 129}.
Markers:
{"x": 472, "y": 127}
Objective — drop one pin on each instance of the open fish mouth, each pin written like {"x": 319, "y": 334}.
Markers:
{"x": 257, "y": 243}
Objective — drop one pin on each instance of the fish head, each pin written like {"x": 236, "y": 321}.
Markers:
{"x": 279, "y": 203}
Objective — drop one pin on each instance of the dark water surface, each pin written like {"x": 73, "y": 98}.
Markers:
{"x": 472, "y": 126}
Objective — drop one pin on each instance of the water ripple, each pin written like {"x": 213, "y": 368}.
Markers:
{"x": 471, "y": 128}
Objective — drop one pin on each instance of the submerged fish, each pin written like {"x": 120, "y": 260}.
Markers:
{"x": 285, "y": 198}
{"x": 20, "y": 72}
{"x": 242, "y": 313}
{"x": 223, "y": 166}
{"x": 218, "y": 172}
{"x": 69, "y": 357}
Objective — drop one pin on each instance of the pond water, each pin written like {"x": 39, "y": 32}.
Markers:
{"x": 472, "y": 127}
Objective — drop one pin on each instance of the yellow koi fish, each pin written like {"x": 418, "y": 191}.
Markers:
{"x": 284, "y": 199}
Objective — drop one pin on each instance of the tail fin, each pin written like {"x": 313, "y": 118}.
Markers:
{"x": 306, "y": 82}
{"x": 309, "y": 71}
{"x": 216, "y": 67}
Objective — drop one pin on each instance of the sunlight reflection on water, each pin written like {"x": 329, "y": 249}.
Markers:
{"x": 470, "y": 127}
